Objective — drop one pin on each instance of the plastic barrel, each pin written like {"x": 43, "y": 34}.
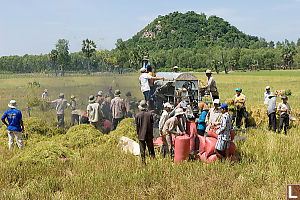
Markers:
{"x": 182, "y": 148}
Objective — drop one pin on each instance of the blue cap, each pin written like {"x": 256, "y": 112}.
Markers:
{"x": 238, "y": 89}
{"x": 223, "y": 105}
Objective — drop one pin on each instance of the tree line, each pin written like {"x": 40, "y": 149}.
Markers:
{"x": 285, "y": 55}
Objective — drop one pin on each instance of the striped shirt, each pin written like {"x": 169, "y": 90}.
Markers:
{"x": 226, "y": 125}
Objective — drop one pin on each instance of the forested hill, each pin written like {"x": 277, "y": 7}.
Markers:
{"x": 189, "y": 40}
{"x": 189, "y": 30}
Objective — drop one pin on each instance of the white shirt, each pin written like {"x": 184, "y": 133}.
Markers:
{"x": 144, "y": 81}
{"x": 283, "y": 106}
{"x": 164, "y": 117}
{"x": 266, "y": 96}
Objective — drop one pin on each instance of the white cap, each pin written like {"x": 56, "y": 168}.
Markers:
{"x": 268, "y": 87}
{"x": 167, "y": 105}
{"x": 179, "y": 111}
{"x": 175, "y": 67}
{"x": 216, "y": 101}
{"x": 143, "y": 70}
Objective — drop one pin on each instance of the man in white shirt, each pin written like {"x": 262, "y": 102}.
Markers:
{"x": 145, "y": 86}
{"x": 266, "y": 95}
{"x": 285, "y": 111}
{"x": 211, "y": 85}
{"x": 164, "y": 117}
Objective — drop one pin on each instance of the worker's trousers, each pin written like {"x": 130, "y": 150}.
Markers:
{"x": 150, "y": 146}
{"x": 238, "y": 116}
{"x": 74, "y": 117}
{"x": 60, "y": 120}
{"x": 19, "y": 139}
{"x": 272, "y": 121}
{"x": 115, "y": 122}
{"x": 284, "y": 120}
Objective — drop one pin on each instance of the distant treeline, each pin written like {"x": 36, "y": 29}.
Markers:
{"x": 191, "y": 41}
{"x": 285, "y": 55}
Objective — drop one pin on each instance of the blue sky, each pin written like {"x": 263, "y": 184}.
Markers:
{"x": 34, "y": 26}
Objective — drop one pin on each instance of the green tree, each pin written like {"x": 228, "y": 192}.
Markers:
{"x": 88, "y": 48}
{"x": 63, "y": 57}
{"x": 53, "y": 58}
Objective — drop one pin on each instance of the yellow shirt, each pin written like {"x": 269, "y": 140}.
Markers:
{"x": 242, "y": 97}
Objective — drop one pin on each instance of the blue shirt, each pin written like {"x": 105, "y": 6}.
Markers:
{"x": 201, "y": 121}
{"x": 146, "y": 65}
{"x": 14, "y": 117}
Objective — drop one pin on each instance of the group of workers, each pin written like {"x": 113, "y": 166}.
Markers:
{"x": 283, "y": 108}
{"x": 103, "y": 112}
{"x": 216, "y": 118}
{"x": 106, "y": 112}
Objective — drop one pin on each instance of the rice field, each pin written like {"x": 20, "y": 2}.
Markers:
{"x": 83, "y": 164}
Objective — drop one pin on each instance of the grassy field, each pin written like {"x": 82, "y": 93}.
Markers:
{"x": 97, "y": 168}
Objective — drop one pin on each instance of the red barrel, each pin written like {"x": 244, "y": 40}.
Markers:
{"x": 191, "y": 129}
{"x": 182, "y": 148}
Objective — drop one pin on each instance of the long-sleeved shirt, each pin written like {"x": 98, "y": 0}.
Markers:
{"x": 118, "y": 109}
{"x": 283, "y": 106}
{"x": 144, "y": 125}
{"x": 271, "y": 108}
{"x": 201, "y": 121}
{"x": 164, "y": 117}
{"x": 213, "y": 118}
{"x": 61, "y": 105}
{"x": 224, "y": 130}
{"x": 266, "y": 97}
{"x": 171, "y": 124}
{"x": 211, "y": 85}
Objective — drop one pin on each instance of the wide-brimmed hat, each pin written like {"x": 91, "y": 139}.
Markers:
{"x": 92, "y": 99}
{"x": 216, "y": 101}
{"x": 61, "y": 95}
{"x": 72, "y": 97}
{"x": 268, "y": 87}
{"x": 208, "y": 71}
{"x": 117, "y": 93}
{"x": 12, "y": 104}
{"x": 238, "y": 89}
{"x": 179, "y": 111}
{"x": 100, "y": 93}
{"x": 143, "y": 105}
{"x": 167, "y": 105}
{"x": 145, "y": 58}
{"x": 175, "y": 67}
{"x": 45, "y": 90}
